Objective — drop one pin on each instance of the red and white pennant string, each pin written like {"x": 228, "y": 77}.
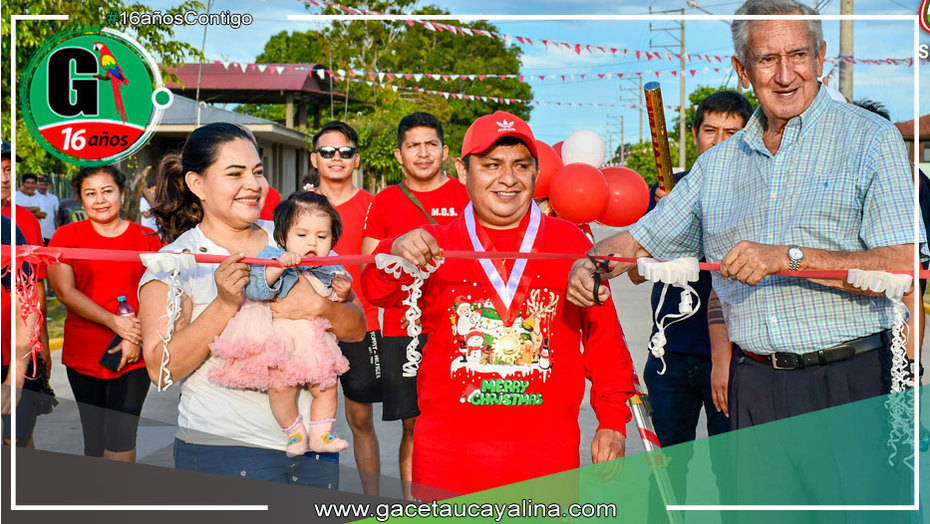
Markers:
{"x": 588, "y": 49}
{"x": 496, "y": 99}
{"x": 381, "y": 76}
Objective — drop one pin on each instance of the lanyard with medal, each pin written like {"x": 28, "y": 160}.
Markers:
{"x": 505, "y": 292}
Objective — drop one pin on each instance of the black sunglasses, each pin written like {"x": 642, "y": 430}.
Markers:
{"x": 329, "y": 152}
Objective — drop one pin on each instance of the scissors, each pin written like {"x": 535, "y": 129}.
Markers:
{"x": 601, "y": 267}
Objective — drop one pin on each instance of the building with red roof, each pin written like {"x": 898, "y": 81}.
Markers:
{"x": 303, "y": 88}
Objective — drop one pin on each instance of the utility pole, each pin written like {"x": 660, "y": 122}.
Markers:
{"x": 682, "y": 150}
{"x": 622, "y": 142}
{"x": 610, "y": 142}
{"x": 203, "y": 45}
{"x": 681, "y": 76}
{"x": 611, "y": 152}
{"x": 641, "y": 102}
{"x": 846, "y": 49}
{"x": 694, "y": 5}
{"x": 636, "y": 97}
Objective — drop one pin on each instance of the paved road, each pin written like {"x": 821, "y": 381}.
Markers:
{"x": 61, "y": 430}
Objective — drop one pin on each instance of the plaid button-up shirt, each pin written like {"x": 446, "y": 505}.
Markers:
{"x": 841, "y": 181}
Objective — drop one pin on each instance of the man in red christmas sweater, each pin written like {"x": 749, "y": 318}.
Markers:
{"x": 502, "y": 373}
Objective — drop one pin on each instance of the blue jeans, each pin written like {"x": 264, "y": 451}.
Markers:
{"x": 678, "y": 396}
{"x": 319, "y": 470}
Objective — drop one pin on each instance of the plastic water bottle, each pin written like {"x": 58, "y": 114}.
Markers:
{"x": 111, "y": 361}
{"x": 124, "y": 309}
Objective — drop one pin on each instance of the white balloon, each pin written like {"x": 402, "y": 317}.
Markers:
{"x": 584, "y": 146}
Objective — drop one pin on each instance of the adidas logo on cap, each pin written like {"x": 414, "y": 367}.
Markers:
{"x": 504, "y": 126}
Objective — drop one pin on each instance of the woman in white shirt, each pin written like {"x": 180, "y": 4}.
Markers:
{"x": 209, "y": 203}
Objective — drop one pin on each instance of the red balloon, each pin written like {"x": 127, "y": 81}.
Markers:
{"x": 628, "y": 197}
{"x": 549, "y": 164}
{"x": 558, "y": 147}
{"x": 578, "y": 192}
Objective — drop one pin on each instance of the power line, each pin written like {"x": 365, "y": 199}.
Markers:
{"x": 681, "y": 53}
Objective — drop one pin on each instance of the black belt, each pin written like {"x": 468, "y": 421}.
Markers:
{"x": 838, "y": 353}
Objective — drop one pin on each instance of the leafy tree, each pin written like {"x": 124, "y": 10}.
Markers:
{"x": 642, "y": 160}
{"x": 702, "y": 92}
{"x": 392, "y": 46}
{"x": 30, "y": 34}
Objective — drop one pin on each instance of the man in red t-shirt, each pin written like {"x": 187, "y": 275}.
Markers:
{"x": 335, "y": 157}
{"x": 426, "y": 196}
{"x": 32, "y": 231}
{"x": 502, "y": 373}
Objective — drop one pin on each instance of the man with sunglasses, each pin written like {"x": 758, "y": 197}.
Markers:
{"x": 425, "y": 196}
{"x": 335, "y": 157}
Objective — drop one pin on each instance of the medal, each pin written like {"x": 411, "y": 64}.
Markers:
{"x": 505, "y": 293}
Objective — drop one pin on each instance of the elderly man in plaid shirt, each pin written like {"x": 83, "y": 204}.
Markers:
{"x": 808, "y": 184}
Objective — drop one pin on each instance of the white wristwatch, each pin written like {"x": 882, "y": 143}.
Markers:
{"x": 795, "y": 256}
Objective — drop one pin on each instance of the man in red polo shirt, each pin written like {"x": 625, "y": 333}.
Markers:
{"x": 426, "y": 196}
{"x": 335, "y": 157}
{"x": 502, "y": 372}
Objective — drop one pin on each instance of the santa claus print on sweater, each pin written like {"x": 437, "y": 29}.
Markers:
{"x": 504, "y": 358}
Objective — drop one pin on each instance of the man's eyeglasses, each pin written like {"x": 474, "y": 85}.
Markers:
{"x": 329, "y": 152}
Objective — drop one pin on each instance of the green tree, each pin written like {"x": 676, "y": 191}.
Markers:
{"x": 642, "y": 159}
{"x": 30, "y": 34}
{"x": 702, "y": 92}
{"x": 394, "y": 47}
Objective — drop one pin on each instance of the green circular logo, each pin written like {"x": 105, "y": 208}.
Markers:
{"x": 92, "y": 96}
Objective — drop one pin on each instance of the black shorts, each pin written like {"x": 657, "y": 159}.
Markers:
{"x": 362, "y": 383}
{"x": 399, "y": 393}
{"x": 109, "y": 409}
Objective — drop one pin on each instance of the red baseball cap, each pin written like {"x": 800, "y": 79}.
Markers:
{"x": 488, "y": 129}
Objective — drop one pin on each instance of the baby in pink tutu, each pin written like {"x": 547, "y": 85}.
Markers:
{"x": 279, "y": 355}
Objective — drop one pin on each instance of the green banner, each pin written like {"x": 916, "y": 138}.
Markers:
{"x": 858, "y": 454}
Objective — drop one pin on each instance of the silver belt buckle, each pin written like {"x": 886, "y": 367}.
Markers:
{"x": 774, "y": 358}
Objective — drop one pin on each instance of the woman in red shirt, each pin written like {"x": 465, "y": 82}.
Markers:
{"x": 109, "y": 401}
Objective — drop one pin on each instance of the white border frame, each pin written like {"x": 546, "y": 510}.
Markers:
{"x": 917, "y": 298}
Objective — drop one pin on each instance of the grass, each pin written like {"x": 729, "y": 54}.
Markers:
{"x": 56, "y": 318}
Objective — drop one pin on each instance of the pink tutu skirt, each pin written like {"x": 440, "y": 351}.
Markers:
{"x": 258, "y": 352}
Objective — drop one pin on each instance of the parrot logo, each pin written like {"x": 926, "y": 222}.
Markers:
{"x": 66, "y": 100}
{"x": 114, "y": 75}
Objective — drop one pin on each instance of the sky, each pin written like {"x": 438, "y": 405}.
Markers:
{"x": 892, "y": 85}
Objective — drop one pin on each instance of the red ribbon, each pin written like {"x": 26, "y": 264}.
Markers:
{"x": 54, "y": 254}
{"x": 26, "y": 290}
